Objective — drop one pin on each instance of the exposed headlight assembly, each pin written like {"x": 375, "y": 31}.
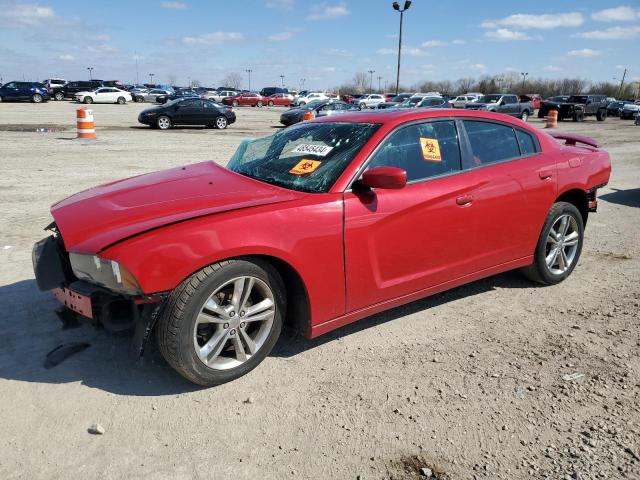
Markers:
{"x": 104, "y": 272}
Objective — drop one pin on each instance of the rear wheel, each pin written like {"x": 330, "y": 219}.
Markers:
{"x": 221, "y": 322}
{"x": 362, "y": 106}
{"x": 578, "y": 117}
{"x": 259, "y": 104}
{"x": 221, "y": 122}
{"x": 88, "y": 100}
{"x": 163, "y": 122}
{"x": 601, "y": 115}
{"x": 36, "y": 98}
{"x": 59, "y": 96}
{"x": 121, "y": 101}
{"x": 139, "y": 99}
{"x": 270, "y": 103}
{"x": 234, "y": 103}
{"x": 559, "y": 245}
{"x": 524, "y": 116}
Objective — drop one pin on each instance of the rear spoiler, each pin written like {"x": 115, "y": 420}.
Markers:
{"x": 572, "y": 139}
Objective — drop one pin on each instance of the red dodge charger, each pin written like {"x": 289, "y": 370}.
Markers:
{"x": 317, "y": 226}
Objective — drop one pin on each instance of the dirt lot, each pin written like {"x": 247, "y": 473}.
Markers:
{"x": 468, "y": 383}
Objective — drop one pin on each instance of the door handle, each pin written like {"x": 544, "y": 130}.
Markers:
{"x": 464, "y": 200}
{"x": 545, "y": 174}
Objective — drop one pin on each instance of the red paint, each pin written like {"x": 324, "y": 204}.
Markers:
{"x": 357, "y": 252}
{"x": 246, "y": 99}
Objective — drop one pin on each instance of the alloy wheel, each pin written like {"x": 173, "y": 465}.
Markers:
{"x": 164, "y": 123}
{"x": 234, "y": 322}
{"x": 562, "y": 244}
{"x": 221, "y": 123}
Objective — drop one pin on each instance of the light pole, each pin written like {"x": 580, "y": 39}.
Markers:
{"x": 371, "y": 72}
{"x": 90, "y": 72}
{"x": 151, "y": 78}
{"x": 302, "y": 80}
{"x": 282, "y": 80}
{"x": 396, "y": 7}
{"x": 379, "y": 78}
{"x": 624, "y": 75}
{"x": 248, "y": 70}
{"x": 524, "y": 78}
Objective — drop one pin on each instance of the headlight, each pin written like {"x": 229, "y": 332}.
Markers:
{"x": 106, "y": 273}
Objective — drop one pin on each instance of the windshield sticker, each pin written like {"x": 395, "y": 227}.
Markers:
{"x": 305, "y": 166}
{"x": 312, "y": 149}
{"x": 430, "y": 149}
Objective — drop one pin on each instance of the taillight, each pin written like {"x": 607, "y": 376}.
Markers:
{"x": 310, "y": 115}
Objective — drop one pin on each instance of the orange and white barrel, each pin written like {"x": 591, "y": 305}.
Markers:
{"x": 84, "y": 123}
{"x": 552, "y": 119}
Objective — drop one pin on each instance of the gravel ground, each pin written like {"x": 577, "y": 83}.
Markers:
{"x": 496, "y": 379}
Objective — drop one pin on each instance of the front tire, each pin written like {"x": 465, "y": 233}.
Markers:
{"x": 559, "y": 245}
{"x": 221, "y": 322}
{"x": 59, "y": 96}
{"x": 270, "y": 103}
{"x": 524, "y": 116}
{"x": 163, "y": 122}
{"x": 36, "y": 98}
{"x": 234, "y": 103}
{"x": 121, "y": 101}
{"x": 88, "y": 100}
{"x": 601, "y": 116}
{"x": 362, "y": 106}
{"x": 259, "y": 104}
{"x": 578, "y": 117}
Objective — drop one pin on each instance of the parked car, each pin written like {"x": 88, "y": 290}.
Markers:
{"x": 176, "y": 95}
{"x": 577, "y": 108}
{"x": 629, "y": 111}
{"x": 138, "y": 94}
{"x": 410, "y": 102}
{"x": 317, "y": 108}
{"x": 268, "y": 91}
{"x": 188, "y": 111}
{"x": 70, "y": 89}
{"x": 370, "y": 101}
{"x": 317, "y": 226}
{"x": 280, "y": 99}
{"x": 433, "y": 102}
{"x": 461, "y": 100}
{"x": 24, "y": 91}
{"x": 104, "y": 95}
{"x": 218, "y": 95}
{"x": 52, "y": 84}
{"x": 395, "y": 101}
{"x": 613, "y": 108}
{"x": 508, "y": 104}
{"x": 246, "y": 99}
{"x": 534, "y": 98}
{"x": 309, "y": 97}
{"x": 150, "y": 95}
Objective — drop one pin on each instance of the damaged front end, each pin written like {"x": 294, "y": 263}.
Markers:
{"x": 95, "y": 290}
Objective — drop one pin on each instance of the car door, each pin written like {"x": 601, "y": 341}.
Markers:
{"x": 512, "y": 186}
{"x": 189, "y": 112}
{"x": 10, "y": 91}
{"x": 402, "y": 241}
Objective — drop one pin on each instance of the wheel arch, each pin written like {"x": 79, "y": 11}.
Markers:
{"x": 578, "y": 198}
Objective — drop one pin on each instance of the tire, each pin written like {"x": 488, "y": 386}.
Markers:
{"x": 87, "y": 100}
{"x": 139, "y": 99}
{"x": 524, "y": 116}
{"x": 59, "y": 96}
{"x": 221, "y": 122}
{"x": 181, "y": 337}
{"x": 601, "y": 115}
{"x": 578, "y": 117}
{"x": 362, "y": 106}
{"x": 550, "y": 271}
{"x": 36, "y": 98}
{"x": 234, "y": 103}
{"x": 0, "y": 99}
{"x": 270, "y": 103}
{"x": 121, "y": 101}
{"x": 259, "y": 104}
{"x": 163, "y": 122}
{"x": 302, "y": 104}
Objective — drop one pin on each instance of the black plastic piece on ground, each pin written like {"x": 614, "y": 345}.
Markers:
{"x": 62, "y": 352}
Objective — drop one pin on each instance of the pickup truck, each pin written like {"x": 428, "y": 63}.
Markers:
{"x": 577, "y": 107}
{"x": 502, "y": 103}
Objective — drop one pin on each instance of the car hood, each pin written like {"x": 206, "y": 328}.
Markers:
{"x": 631, "y": 106}
{"x": 96, "y": 218}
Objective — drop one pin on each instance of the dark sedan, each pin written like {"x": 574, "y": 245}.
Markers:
{"x": 177, "y": 95}
{"x": 318, "y": 108}
{"x": 614, "y": 108}
{"x": 395, "y": 101}
{"x": 188, "y": 111}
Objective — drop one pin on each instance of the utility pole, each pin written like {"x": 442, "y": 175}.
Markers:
{"x": 624, "y": 74}
{"x": 396, "y": 7}
{"x": 151, "y": 78}
{"x": 379, "y": 78}
{"x": 302, "y": 80}
{"x": 524, "y": 77}
{"x": 248, "y": 70}
{"x": 371, "y": 72}
{"x": 90, "y": 72}
{"x": 282, "y": 79}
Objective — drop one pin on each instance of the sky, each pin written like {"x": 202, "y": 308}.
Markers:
{"x": 323, "y": 42}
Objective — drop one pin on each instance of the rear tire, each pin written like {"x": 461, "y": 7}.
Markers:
{"x": 578, "y": 117}
{"x": 362, "y": 106}
{"x": 547, "y": 268}
{"x": 59, "y": 96}
{"x": 235, "y": 348}
{"x": 270, "y": 103}
{"x": 601, "y": 116}
{"x": 36, "y": 98}
{"x": 259, "y": 104}
{"x": 524, "y": 116}
{"x": 139, "y": 99}
{"x": 221, "y": 122}
{"x": 234, "y": 103}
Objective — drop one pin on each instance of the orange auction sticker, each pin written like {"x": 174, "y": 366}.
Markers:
{"x": 305, "y": 166}
{"x": 430, "y": 149}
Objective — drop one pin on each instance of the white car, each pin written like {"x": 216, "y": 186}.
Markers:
{"x": 461, "y": 100}
{"x": 104, "y": 95}
{"x": 219, "y": 95}
{"x": 309, "y": 97}
{"x": 370, "y": 101}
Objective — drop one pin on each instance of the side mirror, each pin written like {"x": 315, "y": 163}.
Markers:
{"x": 384, "y": 177}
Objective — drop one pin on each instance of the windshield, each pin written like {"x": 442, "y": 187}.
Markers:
{"x": 489, "y": 99}
{"x": 313, "y": 104}
{"x": 398, "y": 98}
{"x": 577, "y": 99}
{"x": 308, "y": 158}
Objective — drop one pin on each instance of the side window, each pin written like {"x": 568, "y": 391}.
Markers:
{"x": 11, "y": 85}
{"x": 527, "y": 145}
{"x": 423, "y": 150}
{"x": 491, "y": 142}
{"x": 194, "y": 103}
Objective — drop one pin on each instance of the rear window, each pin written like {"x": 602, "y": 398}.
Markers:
{"x": 491, "y": 142}
{"x": 527, "y": 144}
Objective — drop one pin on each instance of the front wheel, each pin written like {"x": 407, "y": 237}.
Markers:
{"x": 139, "y": 99}
{"x": 559, "y": 245}
{"x": 121, "y": 101}
{"x": 221, "y": 123}
{"x": 578, "y": 117}
{"x": 362, "y": 106}
{"x": 221, "y": 322}
{"x": 164, "y": 122}
{"x": 88, "y": 100}
{"x": 234, "y": 103}
{"x": 259, "y": 104}
{"x": 270, "y": 103}
{"x": 36, "y": 98}
{"x": 524, "y": 116}
{"x": 59, "y": 96}
{"x": 601, "y": 116}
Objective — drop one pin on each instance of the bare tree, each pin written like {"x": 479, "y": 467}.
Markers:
{"x": 172, "y": 79}
{"x": 195, "y": 83}
{"x": 233, "y": 80}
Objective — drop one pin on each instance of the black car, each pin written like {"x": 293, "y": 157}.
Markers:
{"x": 28, "y": 91}
{"x": 188, "y": 111}
{"x": 433, "y": 102}
{"x": 70, "y": 89}
{"x": 577, "y": 107}
{"x": 317, "y": 108}
{"x": 614, "y": 108}
{"x": 395, "y": 101}
{"x": 177, "y": 95}
{"x": 268, "y": 91}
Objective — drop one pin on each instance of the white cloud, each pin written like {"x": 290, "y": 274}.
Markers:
{"x": 280, "y": 37}
{"x": 328, "y": 69}
{"x": 280, "y": 4}
{"x": 585, "y": 52}
{"x": 433, "y": 43}
{"x": 101, "y": 37}
{"x": 393, "y": 36}
{"x": 542, "y": 22}
{"x": 478, "y": 67}
{"x": 551, "y": 68}
{"x": 66, "y": 57}
{"x": 511, "y": 69}
{"x": 325, "y": 11}
{"x": 25, "y": 15}
{"x": 214, "y": 38}
{"x": 409, "y": 51}
{"x": 459, "y": 42}
{"x": 386, "y": 51}
{"x": 506, "y": 35}
{"x": 338, "y": 52}
{"x": 613, "y": 33}
{"x": 174, "y": 5}
{"x": 617, "y": 14}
